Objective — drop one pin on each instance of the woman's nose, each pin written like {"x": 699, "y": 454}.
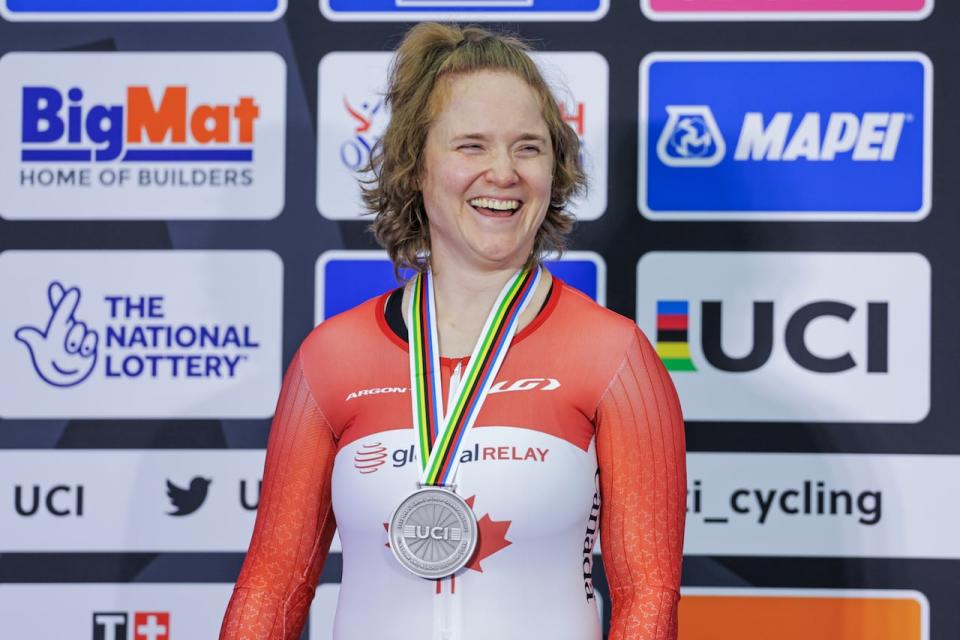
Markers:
{"x": 502, "y": 171}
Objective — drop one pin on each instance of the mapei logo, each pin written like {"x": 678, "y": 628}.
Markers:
{"x": 791, "y": 336}
{"x": 353, "y": 116}
{"x": 467, "y": 10}
{"x": 787, "y": 9}
{"x": 146, "y": 625}
{"x": 785, "y": 136}
{"x": 142, "y": 10}
{"x": 691, "y": 138}
{"x": 110, "y": 132}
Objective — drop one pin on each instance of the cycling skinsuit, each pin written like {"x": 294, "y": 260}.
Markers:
{"x": 581, "y": 390}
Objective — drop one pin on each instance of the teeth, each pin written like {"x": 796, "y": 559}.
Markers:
{"x": 500, "y": 205}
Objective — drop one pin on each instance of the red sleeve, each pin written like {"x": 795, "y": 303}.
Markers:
{"x": 294, "y": 521}
{"x": 641, "y": 455}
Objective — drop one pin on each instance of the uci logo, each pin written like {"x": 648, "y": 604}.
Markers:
{"x": 673, "y": 337}
{"x": 691, "y": 138}
{"x": 423, "y": 532}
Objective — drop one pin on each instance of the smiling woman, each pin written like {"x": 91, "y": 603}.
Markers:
{"x": 470, "y": 84}
{"x": 472, "y": 430}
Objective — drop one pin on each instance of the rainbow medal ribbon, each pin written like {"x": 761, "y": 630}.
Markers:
{"x": 433, "y": 533}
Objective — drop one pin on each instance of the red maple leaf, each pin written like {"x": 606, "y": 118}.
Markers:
{"x": 491, "y": 537}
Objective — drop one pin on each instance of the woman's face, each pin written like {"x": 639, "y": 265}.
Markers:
{"x": 487, "y": 171}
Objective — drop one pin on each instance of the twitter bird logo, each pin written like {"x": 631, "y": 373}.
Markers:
{"x": 186, "y": 501}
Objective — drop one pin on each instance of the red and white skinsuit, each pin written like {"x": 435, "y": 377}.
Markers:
{"x": 580, "y": 390}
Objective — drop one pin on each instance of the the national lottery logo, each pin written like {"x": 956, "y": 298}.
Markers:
{"x": 140, "y": 334}
{"x": 64, "y": 352}
{"x": 771, "y": 136}
{"x": 139, "y": 340}
{"x": 353, "y": 116}
{"x": 143, "y": 135}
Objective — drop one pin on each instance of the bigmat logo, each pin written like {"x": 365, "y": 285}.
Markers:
{"x": 113, "y": 611}
{"x": 142, "y": 135}
{"x": 120, "y": 501}
{"x": 787, "y": 9}
{"x": 825, "y": 505}
{"x": 817, "y": 337}
{"x": 347, "y": 278}
{"x": 146, "y": 334}
{"x": 464, "y": 10}
{"x": 142, "y": 10}
{"x": 352, "y": 118}
{"x": 798, "y": 614}
{"x": 795, "y": 136}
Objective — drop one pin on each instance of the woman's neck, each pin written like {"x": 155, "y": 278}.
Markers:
{"x": 464, "y": 297}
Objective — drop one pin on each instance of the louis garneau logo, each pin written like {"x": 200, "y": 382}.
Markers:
{"x": 187, "y": 500}
{"x": 503, "y": 386}
{"x": 139, "y": 340}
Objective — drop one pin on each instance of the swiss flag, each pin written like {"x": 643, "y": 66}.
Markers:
{"x": 151, "y": 625}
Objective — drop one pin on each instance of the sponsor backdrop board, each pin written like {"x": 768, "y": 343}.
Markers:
{"x": 148, "y": 334}
{"x": 348, "y": 278}
{"x": 352, "y": 116}
{"x": 711, "y": 10}
{"x": 465, "y": 10}
{"x": 788, "y": 336}
{"x": 771, "y": 199}
{"x": 115, "y": 611}
{"x": 143, "y": 136}
{"x": 166, "y": 10}
{"x": 785, "y": 136}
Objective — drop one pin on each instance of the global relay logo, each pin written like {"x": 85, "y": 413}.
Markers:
{"x": 64, "y": 353}
{"x": 139, "y": 341}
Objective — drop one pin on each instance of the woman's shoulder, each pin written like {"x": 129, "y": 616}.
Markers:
{"x": 356, "y": 330}
{"x": 596, "y": 322}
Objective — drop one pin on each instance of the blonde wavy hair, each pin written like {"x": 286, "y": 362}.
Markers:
{"x": 428, "y": 58}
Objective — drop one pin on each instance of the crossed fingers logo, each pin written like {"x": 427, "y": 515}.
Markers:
{"x": 65, "y": 352}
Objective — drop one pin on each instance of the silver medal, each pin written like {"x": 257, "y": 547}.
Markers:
{"x": 433, "y": 533}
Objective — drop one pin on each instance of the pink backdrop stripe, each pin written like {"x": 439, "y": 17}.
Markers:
{"x": 788, "y": 5}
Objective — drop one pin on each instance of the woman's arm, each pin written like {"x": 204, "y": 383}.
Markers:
{"x": 294, "y": 521}
{"x": 641, "y": 454}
